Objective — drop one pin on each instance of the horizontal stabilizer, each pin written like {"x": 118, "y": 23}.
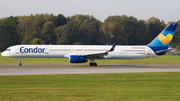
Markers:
{"x": 169, "y": 49}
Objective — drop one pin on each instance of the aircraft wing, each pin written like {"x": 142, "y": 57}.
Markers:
{"x": 94, "y": 55}
{"x": 99, "y": 54}
{"x": 107, "y": 44}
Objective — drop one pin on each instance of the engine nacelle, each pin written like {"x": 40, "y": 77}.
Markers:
{"x": 77, "y": 59}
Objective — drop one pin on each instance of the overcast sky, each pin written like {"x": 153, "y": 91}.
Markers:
{"x": 167, "y": 10}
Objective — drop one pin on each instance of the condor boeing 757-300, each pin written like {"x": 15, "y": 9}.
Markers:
{"x": 83, "y": 53}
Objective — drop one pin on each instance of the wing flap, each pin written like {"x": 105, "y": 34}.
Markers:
{"x": 95, "y": 53}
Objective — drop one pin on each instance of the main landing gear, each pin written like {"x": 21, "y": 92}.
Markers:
{"x": 92, "y": 63}
{"x": 20, "y": 64}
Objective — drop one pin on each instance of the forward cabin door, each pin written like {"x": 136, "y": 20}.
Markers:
{"x": 46, "y": 50}
{"x": 17, "y": 51}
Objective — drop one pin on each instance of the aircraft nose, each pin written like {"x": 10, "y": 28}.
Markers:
{"x": 3, "y": 54}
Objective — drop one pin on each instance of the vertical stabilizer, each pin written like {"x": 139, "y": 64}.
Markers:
{"x": 163, "y": 40}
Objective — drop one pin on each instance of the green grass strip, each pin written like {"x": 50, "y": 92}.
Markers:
{"x": 87, "y": 87}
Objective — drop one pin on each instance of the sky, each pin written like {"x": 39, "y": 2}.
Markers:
{"x": 167, "y": 10}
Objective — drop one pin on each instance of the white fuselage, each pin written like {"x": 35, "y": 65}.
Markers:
{"x": 64, "y": 51}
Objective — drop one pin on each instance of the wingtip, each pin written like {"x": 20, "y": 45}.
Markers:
{"x": 107, "y": 43}
{"x": 114, "y": 44}
{"x": 113, "y": 47}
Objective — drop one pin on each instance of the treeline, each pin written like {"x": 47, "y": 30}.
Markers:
{"x": 80, "y": 29}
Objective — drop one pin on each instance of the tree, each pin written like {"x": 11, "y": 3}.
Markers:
{"x": 36, "y": 41}
{"x": 27, "y": 40}
{"x": 37, "y": 25}
{"x": 77, "y": 43}
{"x": 25, "y": 26}
{"x": 48, "y": 33}
{"x": 81, "y": 28}
{"x": 122, "y": 27}
{"x": 60, "y": 20}
{"x": 131, "y": 31}
{"x": 62, "y": 33}
{"x": 176, "y": 39}
{"x": 153, "y": 28}
{"x": 2, "y": 37}
{"x": 89, "y": 31}
{"x": 49, "y": 17}
{"x": 108, "y": 28}
{"x": 141, "y": 34}
{"x": 9, "y": 29}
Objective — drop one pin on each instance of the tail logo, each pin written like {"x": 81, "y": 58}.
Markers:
{"x": 165, "y": 39}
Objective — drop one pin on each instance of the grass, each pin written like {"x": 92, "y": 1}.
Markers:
{"x": 103, "y": 87}
{"x": 124, "y": 86}
{"x": 166, "y": 59}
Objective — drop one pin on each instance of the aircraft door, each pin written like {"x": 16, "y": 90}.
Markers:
{"x": 46, "y": 51}
{"x": 121, "y": 51}
{"x": 17, "y": 51}
{"x": 148, "y": 52}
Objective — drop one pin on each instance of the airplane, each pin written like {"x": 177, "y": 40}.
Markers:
{"x": 107, "y": 43}
{"x": 83, "y": 53}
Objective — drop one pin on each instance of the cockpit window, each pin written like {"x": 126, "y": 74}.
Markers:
{"x": 8, "y": 49}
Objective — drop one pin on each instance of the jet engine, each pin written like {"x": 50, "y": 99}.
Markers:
{"x": 77, "y": 59}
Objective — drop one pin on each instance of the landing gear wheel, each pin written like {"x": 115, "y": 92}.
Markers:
{"x": 20, "y": 64}
{"x": 91, "y": 64}
{"x": 95, "y": 64}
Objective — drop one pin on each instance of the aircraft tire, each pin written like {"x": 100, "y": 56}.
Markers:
{"x": 91, "y": 64}
{"x": 95, "y": 64}
{"x": 20, "y": 64}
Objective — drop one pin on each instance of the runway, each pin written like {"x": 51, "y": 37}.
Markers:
{"x": 83, "y": 69}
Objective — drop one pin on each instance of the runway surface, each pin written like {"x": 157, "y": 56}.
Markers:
{"x": 83, "y": 69}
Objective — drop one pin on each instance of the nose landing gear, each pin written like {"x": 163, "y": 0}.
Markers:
{"x": 20, "y": 64}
